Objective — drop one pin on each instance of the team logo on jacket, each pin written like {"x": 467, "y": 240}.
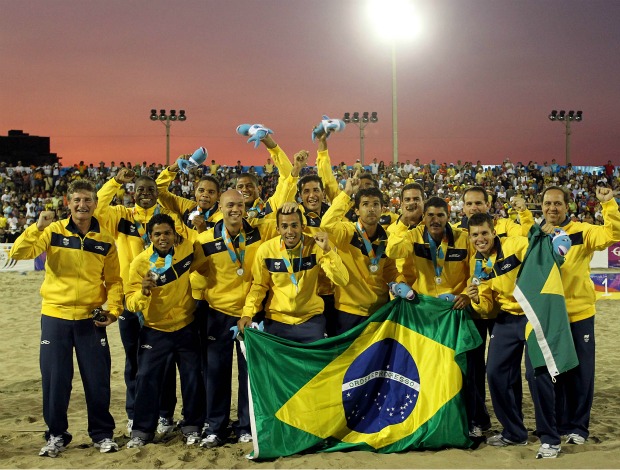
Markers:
{"x": 162, "y": 278}
{"x": 45, "y": 341}
{"x": 65, "y": 241}
{"x": 99, "y": 247}
{"x": 132, "y": 228}
{"x": 187, "y": 263}
{"x": 218, "y": 245}
{"x": 277, "y": 264}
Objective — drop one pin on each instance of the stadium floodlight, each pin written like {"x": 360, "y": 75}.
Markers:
{"x": 566, "y": 119}
{"x": 366, "y": 119}
{"x": 166, "y": 119}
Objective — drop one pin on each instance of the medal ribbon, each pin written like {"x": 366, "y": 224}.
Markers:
{"x": 206, "y": 214}
{"x": 438, "y": 254}
{"x": 289, "y": 263}
{"x": 374, "y": 258}
{"x": 483, "y": 273}
{"x": 236, "y": 257}
{"x": 259, "y": 206}
{"x": 167, "y": 262}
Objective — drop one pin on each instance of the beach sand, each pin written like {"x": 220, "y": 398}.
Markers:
{"x": 22, "y": 425}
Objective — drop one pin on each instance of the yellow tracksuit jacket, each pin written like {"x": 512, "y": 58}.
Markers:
{"x": 285, "y": 303}
{"x": 181, "y": 206}
{"x": 286, "y": 188}
{"x": 81, "y": 272}
{"x": 170, "y": 306}
{"x": 221, "y": 286}
{"x": 367, "y": 291}
{"x": 313, "y": 225}
{"x": 496, "y": 292}
{"x": 404, "y": 243}
{"x": 404, "y": 266}
{"x": 128, "y": 225}
{"x": 586, "y": 239}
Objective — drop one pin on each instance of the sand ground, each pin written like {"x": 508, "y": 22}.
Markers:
{"x": 22, "y": 425}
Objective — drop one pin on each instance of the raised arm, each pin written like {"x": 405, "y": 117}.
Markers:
{"x": 599, "y": 237}
{"x": 331, "y": 262}
{"x": 283, "y": 164}
{"x": 35, "y": 239}
{"x": 324, "y": 169}
{"x": 400, "y": 242}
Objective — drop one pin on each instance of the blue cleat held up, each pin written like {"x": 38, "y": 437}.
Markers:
{"x": 197, "y": 159}
{"x": 561, "y": 241}
{"x": 327, "y": 126}
{"x": 402, "y": 290}
{"x": 257, "y": 132}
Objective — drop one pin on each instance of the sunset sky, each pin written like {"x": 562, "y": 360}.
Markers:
{"x": 477, "y": 83}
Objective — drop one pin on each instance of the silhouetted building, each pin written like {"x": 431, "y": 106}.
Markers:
{"x": 29, "y": 149}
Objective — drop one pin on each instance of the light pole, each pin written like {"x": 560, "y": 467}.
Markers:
{"x": 566, "y": 119}
{"x": 361, "y": 123}
{"x": 394, "y": 20}
{"x": 166, "y": 120}
{"x": 394, "y": 107}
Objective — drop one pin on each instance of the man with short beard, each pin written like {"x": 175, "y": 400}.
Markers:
{"x": 440, "y": 253}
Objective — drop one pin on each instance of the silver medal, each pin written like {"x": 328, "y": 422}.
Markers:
{"x": 153, "y": 276}
{"x": 475, "y": 281}
{"x": 438, "y": 280}
{"x": 240, "y": 272}
{"x": 373, "y": 268}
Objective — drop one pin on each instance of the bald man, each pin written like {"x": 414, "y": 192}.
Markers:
{"x": 226, "y": 253}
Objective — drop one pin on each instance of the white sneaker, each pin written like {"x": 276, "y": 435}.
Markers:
{"x": 192, "y": 438}
{"x": 129, "y": 426}
{"x": 106, "y": 445}
{"x": 548, "y": 451}
{"x": 211, "y": 441}
{"x": 55, "y": 445}
{"x": 575, "y": 438}
{"x": 245, "y": 437}
{"x": 136, "y": 442}
{"x": 165, "y": 425}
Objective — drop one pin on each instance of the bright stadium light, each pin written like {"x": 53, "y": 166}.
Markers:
{"x": 396, "y": 21}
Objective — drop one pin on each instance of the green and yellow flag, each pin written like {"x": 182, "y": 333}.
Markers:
{"x": 540, "y": 294}
{"x": 391, "y": 384}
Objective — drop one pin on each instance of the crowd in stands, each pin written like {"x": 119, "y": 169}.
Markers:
{"x": 28, "y": 190}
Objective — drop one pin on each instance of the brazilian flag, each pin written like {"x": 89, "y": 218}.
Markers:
{"x": 540, "y": 294}
{"x": 391, "y": 384}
